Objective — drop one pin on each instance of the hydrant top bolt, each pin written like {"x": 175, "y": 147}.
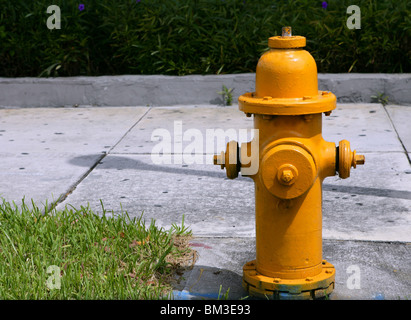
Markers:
{"x": 286, "y": 32}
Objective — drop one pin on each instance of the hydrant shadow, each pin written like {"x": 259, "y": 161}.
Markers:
{"x": 118, "y": 162}
{"x": 125, "y": 163}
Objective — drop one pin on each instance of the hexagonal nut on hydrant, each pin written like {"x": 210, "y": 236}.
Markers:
{"x": 287, "y": 174}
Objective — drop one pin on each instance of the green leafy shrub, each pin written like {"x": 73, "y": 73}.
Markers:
{"x": 179, "y": 37}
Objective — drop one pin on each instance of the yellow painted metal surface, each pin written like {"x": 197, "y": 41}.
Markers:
{"x": 286, "y": 82}
{"x": 293, "y": 160}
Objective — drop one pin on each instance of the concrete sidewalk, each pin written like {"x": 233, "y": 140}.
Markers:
{"x": 85, "y": 154}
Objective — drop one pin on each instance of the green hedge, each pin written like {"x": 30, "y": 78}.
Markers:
{"x": 179, "y": 37}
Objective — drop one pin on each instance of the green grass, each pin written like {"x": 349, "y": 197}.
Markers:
{"x": 97, "y": 256}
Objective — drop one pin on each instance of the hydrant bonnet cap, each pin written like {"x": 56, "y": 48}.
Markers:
{"x": 279, "y": 42}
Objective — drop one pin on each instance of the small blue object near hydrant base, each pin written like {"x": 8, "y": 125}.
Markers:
{"x": 379, "y": 296}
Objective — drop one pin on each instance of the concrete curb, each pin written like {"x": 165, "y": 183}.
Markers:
{"x": 160, "y": 90}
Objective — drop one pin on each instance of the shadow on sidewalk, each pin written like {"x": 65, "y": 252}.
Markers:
{"x": 125, "y": 163}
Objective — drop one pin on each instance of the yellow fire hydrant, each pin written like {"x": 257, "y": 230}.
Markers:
{"x": 292, "y": 160}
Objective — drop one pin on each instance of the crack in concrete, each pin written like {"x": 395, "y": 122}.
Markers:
{"x": 73, "y": 187}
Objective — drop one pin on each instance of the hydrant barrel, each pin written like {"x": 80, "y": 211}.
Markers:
{"x": 293, "y": 160}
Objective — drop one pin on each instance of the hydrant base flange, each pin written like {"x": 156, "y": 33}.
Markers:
{"x": 314, "y": 287}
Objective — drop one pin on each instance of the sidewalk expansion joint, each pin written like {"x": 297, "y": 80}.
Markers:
{"x": 398, "y": 136}
{"x": 73, "y": 187}
{"x": 128, "y": 131}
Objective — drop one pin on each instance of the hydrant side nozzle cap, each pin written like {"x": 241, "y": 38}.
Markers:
{"x": 279, "y": 42}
